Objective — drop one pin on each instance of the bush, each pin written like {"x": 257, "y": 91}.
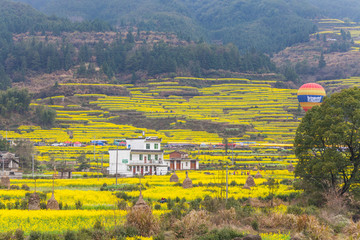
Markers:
{"x": 244, "y": 211}
{"x": 211, "y": 204}
{"x": 19, "y": 234}
{"x": 78, "y": 204}
{"x": 25, "y": 187}
{"x": 6, "y": 236}
{"x": 195, "y": 204}
{"x": 294, "y": 209}
{"x": 255, "y": 225}
{"x": 42, "y": 205}
{"x": 170, "y": 204}
{"x": 194, "y": 223}
{"x": 124, "y": 196}
{"x": 14, "y": 187}
{"x": 224, "y": 233}
{"x": 70, "y": 235}
{"x": 157, "y": 207}
{"x": 122, "y": 205}
{"x": 143, "y": 220}
{"x": 233, "y": 183}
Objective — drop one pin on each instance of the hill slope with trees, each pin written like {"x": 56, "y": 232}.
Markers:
{"x": 266, "y": 25}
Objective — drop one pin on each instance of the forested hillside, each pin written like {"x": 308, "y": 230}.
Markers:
{"x": 266, "y": 25}
{"x": 36, "y": 44}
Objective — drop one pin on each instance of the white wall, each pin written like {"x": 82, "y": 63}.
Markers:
{"x": 123, "y": 155}
{"x": 138, "y": 144}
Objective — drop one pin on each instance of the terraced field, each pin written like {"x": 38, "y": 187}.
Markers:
{"x": 255, "y": 110}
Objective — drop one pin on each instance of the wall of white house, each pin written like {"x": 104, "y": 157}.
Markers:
{"x": 142, "y": 144}
{"x": 123, "y": 160}
{"x": 126, "y": 157}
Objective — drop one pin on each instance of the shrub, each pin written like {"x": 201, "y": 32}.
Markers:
{"x": 70, "y": 235}
{"x": 224, "y": 233}
{"x": 194, "y": 223}
{"x": 224, "y": 216}
{"x": 170, "y": 204}
{"x": 42, "y": 205}
{"x": 195, "y": 204}
{"x": 78, "y": 204}
{"x": 211, "y": 204}
{"x": 143, "y": 220}
{"x": 6, "y": 235}
{"x": 14, "y": 187}
{"x": 294, "y": 209}
{"x": 123, "y": 195}
{"x": 255, "y": 225}
{"x": 233, "y": 183}
{"x": 157, "y": 207}
{"x": 244, "y": 211}
{"x": 19, "y": 234}
{"x": 122, "y": 205}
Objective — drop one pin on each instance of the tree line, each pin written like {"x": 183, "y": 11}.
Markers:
{"x": 123, "y": 56}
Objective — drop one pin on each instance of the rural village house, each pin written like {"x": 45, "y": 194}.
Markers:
{"x": 141, "y": 156}
{"x": 180, "y": 161}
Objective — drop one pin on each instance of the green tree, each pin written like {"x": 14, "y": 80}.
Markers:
{"x": 45, "y": 116}
{"x": 272, "y": 185}
{"x": 4, "y": 145}
{"x": 322, "y": 62}
{"x": 327, "y": 144}
{"x": 24, "y": 150}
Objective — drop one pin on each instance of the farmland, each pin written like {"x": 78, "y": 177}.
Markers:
{"x": 259, "y": 119}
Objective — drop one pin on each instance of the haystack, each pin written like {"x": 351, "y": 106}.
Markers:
{"x": 52, "y": 204}
{"x": 5, "y": 181}
{"x": 34, "y": 201}
{"x": 174, "y": 178}
{"x": 246, "y": 186}
{"x": 141, "y": 204}
{"x": 258, "y": 175}
{"x": 187, "y": 182}
{"x": 290, "y": 168}
{"x": 250, "y": 181}
{"x": 141, "y": 217}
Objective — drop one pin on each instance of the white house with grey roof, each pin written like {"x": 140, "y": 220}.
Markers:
{"x": 142, "y": 156}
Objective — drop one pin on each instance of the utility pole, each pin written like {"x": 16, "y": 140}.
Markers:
{"x": 33, "y": 166}
{"x": 227, "y": 183}
{"x": 232, "y": 153}
{"x": 102, "y": 160}
{"x": 97, "y": 168}
{"x": 94, "y": 149}
{"x": 3, "y": 163}
{"x": 117, "y": 156}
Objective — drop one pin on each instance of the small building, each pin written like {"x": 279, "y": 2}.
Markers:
{"x": 10, "y": 164}
{"x": 180, "y": 161}
{"x": 142, "y": 156}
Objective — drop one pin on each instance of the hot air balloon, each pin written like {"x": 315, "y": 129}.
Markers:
{"x": 310, "y": 94}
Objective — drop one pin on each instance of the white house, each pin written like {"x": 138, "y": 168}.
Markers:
{"x": 141, "y": 156}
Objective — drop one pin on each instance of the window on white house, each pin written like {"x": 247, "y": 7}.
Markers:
{"x": 148, "y": 146}
{"x": 156, "y": 146}
{"x": 140, "y": 157}
{"x": 156, "y": 157}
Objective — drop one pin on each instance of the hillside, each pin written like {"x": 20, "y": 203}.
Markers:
{"x": 266, "y": 25}
{"x": 337, "y": 41}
